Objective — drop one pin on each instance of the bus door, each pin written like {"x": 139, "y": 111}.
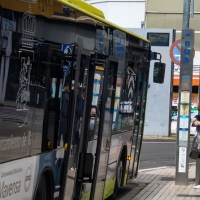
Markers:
{"x": 101, "y": 104}
{"x": 61, "y": 95}
{"x": 76, "y": 124}
{"x": 141, "y": 91}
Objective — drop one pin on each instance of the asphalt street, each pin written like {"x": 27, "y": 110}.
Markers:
{"x": 158, "y": 154}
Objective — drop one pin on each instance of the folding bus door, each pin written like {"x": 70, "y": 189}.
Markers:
{"x": 103, "y": 146}
{"x": 61, "y": 97}
{"x": 141, "y": 91}
{"x": 76, "y": 123}
{"x": 101, "y": 98}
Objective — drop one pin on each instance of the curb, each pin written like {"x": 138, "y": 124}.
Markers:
{"x": 162, "y": 139}
{"x": 150, "y": 169}
{"x": 158, "y": 140}
{"x": 156, "y": 168}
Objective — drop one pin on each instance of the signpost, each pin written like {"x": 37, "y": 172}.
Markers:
{"x": 184, "y": 110}
{"x": 182, "y": 54}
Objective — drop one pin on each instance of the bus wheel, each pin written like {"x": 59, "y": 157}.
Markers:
{"x": 41, "y": 192}
{"x": 118, "y": 181}
{"x": 119, "y": 173}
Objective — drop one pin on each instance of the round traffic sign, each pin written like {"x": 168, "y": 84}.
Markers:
{"x": 175, "y": 52}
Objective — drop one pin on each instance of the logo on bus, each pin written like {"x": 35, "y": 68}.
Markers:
{"x": 27, "y": 181}
{"x": 131, "y": 83}
{"x": 28, "y": 30}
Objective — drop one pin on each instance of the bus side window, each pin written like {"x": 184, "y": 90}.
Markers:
{"x": 126, "y": 112}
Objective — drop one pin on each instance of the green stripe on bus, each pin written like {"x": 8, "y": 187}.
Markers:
{"x": 109, "y": 188}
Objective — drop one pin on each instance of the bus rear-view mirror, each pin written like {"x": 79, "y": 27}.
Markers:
{"x": 159, "y": 72}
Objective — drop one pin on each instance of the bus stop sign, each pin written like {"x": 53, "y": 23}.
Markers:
{"x": 175, "y": 52}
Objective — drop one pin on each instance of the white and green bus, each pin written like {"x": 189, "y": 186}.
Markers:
{"x": 72, "y": 101}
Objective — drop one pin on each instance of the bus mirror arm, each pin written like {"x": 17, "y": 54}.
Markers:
{"x": 156, "y": 56}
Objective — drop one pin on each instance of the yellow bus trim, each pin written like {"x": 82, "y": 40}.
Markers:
{"x": 66, "y": 2}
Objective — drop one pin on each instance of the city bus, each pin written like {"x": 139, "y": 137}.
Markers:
{"x": 72, "y": 101}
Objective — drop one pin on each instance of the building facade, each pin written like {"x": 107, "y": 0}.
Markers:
{"x": 169, "y": 15}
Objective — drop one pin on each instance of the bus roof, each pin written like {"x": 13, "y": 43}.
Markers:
{"x": 87, "y": 7}
{"x": 79, "y": 5}
{"x": 95, "y": 13}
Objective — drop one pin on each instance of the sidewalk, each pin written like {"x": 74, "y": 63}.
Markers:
{"x": 159, "y": 184}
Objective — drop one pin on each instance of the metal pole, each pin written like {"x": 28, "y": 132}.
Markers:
{"x": 184, "y": 105}
{"x": 192, "y": 9}
{"x": 186, "y": 14}
{"x": 197, "y": 175}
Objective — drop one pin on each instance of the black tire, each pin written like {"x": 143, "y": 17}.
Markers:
{"x": 41, "y": 192}
{"x": 119, "y": 174}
